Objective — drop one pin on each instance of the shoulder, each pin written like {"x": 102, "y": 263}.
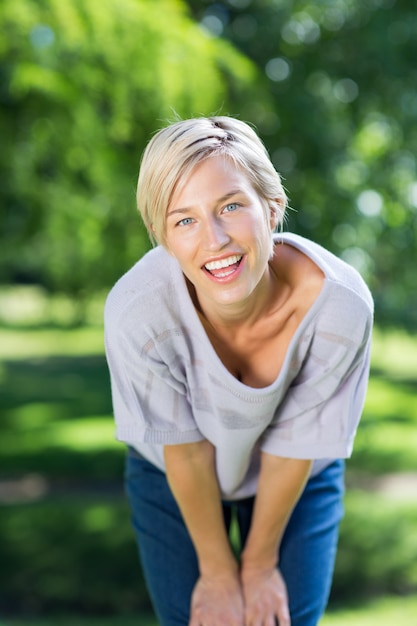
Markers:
{"x": 148, "y": 290}
{"x": 341, "y": 278}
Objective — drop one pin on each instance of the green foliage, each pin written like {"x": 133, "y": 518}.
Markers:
{"x": 387, "y": 438}
{"x": 341, "y": 126}
{"x": 330, "y": 85}
{"x": 83, "y": 86}
{"x": 384, "y": 612}
{"x": 60, "y": 404}
{"x": 57, "y": 620}
{"x": 75, "y": 553}
{"x": 64, "y": 524}
{"x": 378, "y": 548}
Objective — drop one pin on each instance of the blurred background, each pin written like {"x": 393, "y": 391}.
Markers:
{"x": 331, "y": 87}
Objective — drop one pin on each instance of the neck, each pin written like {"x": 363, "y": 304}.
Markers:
{"x": 263, "y": 302}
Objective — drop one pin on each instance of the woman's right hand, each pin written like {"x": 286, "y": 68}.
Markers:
{"x": 217, "y": 601}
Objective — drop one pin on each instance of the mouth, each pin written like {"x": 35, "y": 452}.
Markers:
{"x": 223, "y": 267}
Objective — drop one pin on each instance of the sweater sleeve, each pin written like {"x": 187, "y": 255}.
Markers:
{"x": 150, "y": 400}
{"x": 321, "y": 410}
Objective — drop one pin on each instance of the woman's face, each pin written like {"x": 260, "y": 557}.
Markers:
{"x": 217, "y": 230}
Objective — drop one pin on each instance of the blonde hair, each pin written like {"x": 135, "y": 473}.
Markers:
{"x": 174, "y": 151}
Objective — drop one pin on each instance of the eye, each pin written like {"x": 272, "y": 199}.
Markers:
{"x": 185, "y": 222}
{"x": 233, "y": 206}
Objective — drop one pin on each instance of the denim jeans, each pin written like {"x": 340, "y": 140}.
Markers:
{"x": 168, "y": 558}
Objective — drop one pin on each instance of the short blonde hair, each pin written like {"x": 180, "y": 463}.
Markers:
{"x": 174, "y": 151}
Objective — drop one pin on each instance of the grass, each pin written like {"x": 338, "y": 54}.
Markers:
{"x": 395, "y": 353}
{"x": 83, "y": 621}
{"x": 384, "y": 612}
{"x": 58, "y": 441}
{"x": 17, "y": 344}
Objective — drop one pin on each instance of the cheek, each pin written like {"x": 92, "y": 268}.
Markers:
{"x": 180, "y": 248}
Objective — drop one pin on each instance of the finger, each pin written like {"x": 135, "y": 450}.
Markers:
{"x": 283, "y": 615}
{"x": 195, "y": 619}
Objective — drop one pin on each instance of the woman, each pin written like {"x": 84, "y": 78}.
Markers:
{"x": 239, "y": 362}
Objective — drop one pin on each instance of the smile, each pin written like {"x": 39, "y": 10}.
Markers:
{"x": 223, "y": 264}
{"x": 224, "y": 269}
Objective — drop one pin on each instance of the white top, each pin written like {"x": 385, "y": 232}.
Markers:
{"x": 169, "y": 386}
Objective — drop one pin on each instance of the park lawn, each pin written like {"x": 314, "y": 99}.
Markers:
{"x": 384, "y": 612}
{"x": 390, "y": 611}
{"x": 58, "y": 437}
{"x": 85, "y": 621}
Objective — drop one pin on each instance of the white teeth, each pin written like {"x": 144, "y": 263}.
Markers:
{"x": 218, "y": 265}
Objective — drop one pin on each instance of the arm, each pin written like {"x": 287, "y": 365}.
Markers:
{"x": 217, "y": 598}
{"x": 281, "y": 482}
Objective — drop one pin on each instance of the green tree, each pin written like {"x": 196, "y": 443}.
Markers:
{"x": 83, "y": 86}
{"x": 342, "y": 128}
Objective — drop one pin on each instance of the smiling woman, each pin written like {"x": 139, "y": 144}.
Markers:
{"x": 222, "y": 246}
{"x": 164, "y": 172}
{"x": 239, "y": 363}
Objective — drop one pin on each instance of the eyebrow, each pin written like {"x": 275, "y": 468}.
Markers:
{"x": 227, "y": 196}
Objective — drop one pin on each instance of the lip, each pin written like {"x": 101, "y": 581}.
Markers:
{"x": 229, "y": 277}
{"x": 221, "y": 258}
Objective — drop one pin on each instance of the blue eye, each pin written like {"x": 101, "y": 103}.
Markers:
{"x": 185, "y": 221}
{"x": 231, "y": 207}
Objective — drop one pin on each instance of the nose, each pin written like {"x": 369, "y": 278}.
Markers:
{"x": 214, "y": 236}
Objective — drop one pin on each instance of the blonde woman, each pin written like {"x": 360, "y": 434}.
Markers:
{"x": 239, "y": 362}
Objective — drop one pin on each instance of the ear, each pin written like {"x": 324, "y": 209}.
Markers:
{"x": 274, "y": 218}
{"x": 152, "y": 234}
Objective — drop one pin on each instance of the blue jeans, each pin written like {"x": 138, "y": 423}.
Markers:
{"x": 168, "y": 558}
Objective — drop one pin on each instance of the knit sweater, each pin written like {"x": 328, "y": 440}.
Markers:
{"x": 169, "y": 385}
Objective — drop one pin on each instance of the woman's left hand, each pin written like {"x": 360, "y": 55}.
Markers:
{"x": 265, "y": 597}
